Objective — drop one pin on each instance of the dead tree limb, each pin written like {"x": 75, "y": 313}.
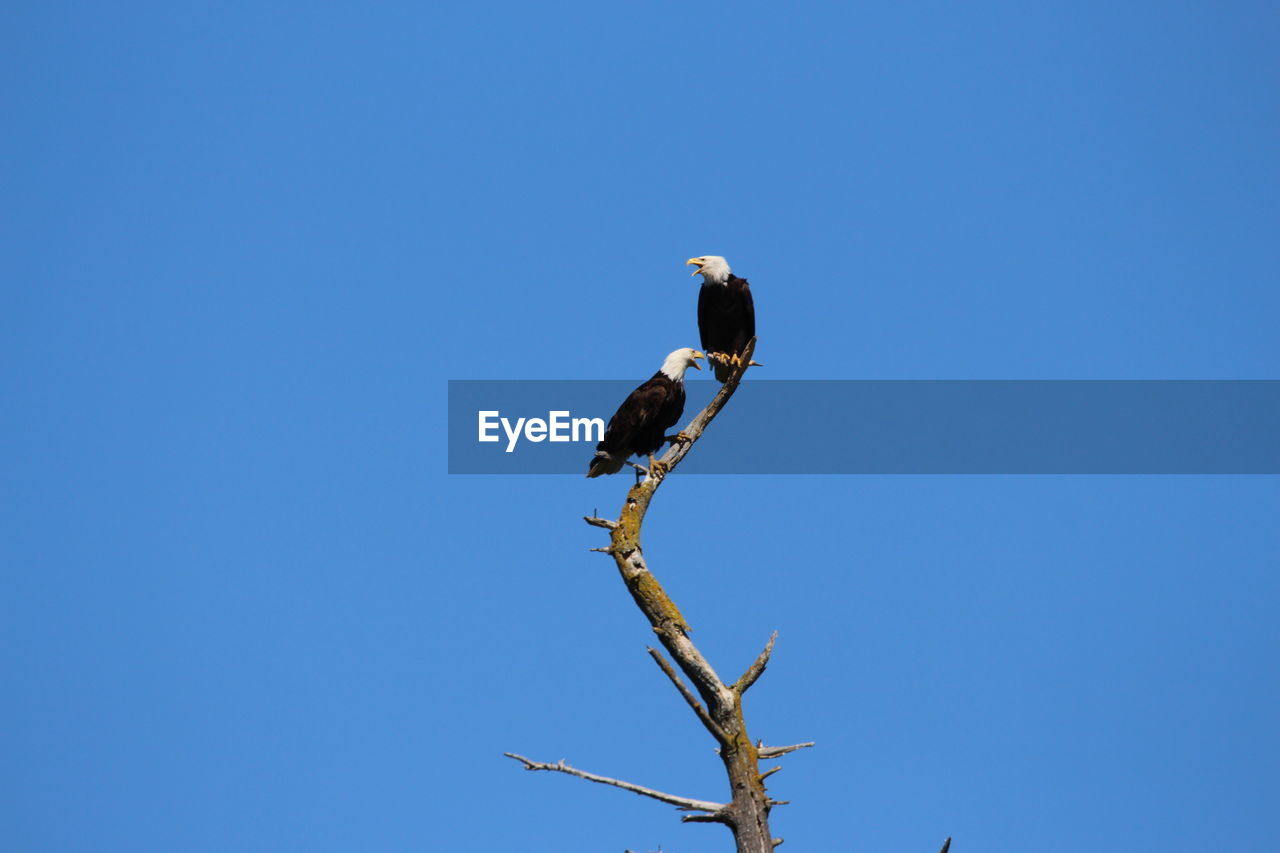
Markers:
{"x": 747, "y": 814}
{"x": 683, "y": 803}
{"x": 717, "y": 705}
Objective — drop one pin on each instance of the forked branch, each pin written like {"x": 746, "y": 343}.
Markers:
{"x": 700, "y": 711}
{"x": 717, "y": 705}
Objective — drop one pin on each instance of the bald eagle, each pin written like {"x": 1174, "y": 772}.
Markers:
{"x": 640, "y": 424}
{"x": 726, "y": 314}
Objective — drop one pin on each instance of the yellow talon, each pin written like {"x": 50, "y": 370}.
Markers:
{"x": 657, "y": 468}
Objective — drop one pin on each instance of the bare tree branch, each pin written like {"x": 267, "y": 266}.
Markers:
{"x": 686, "y": 803}
{"x": 720, "y": 708}
{"x": 776, "y": 751}
{"x": 757, "y": 667}
{"x": 645, "y": 590}
{"x": 946, "y": 845}
{"x": 715, "y": 730}
{"x": 748, "y": 814}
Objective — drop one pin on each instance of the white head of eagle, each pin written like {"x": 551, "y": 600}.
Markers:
{"x": 674, "y": 366}
{"x": 714, "y": 269}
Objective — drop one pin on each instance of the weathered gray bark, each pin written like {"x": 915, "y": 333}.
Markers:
{"x": 720, "y": 711}
{"x": 717, "y": 705}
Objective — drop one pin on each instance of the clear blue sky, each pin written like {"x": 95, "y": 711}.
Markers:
{"x": 246, "y": 244}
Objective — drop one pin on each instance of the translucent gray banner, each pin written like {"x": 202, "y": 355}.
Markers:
{"x": 891, "y": 427}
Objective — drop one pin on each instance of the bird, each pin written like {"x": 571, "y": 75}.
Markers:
{"x": 726, "y": 313}
{"x": 640, "y": 424}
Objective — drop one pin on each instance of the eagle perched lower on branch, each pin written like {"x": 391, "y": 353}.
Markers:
{"x": 639, "y": 426}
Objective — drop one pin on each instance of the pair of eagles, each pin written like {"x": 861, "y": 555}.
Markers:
{"x": 726, "y": 323}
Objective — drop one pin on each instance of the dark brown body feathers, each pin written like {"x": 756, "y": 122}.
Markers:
{"x": 726, "y": 319}
{"x": 640, "y": 425}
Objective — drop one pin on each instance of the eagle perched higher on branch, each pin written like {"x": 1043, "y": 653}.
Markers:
{"x": 726, "y": 313}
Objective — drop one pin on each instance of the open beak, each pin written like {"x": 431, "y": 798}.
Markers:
{"x": 697, "y": 355}
{"x": 694, "y": 262}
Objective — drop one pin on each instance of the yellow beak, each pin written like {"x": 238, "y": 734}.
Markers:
{"x": 697, "y": 355}
{"x": 694, "y": 262}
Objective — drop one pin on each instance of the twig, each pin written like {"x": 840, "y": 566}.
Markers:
{"x": 685, "y": 803}
{"x": 757, "y": 667}
{"x": 711, "y": 725}
{"x": 600, "y": 522}
{"x": 946, "y": 845}
{"x": 776, "y": 751}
